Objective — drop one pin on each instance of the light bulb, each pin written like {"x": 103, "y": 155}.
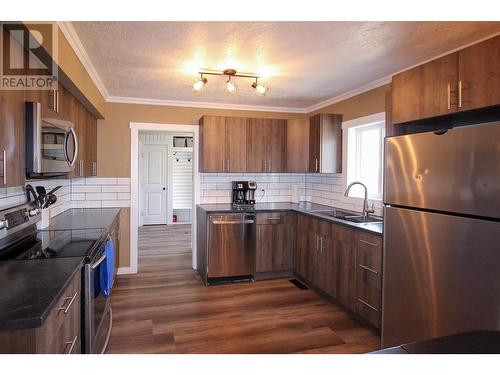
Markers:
{"x": 230, "y": 87}
{"x": 198, "y": 85}
{"x": 260, "y": 89}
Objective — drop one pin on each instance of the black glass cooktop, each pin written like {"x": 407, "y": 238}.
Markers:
{"x": 53, "y": 244}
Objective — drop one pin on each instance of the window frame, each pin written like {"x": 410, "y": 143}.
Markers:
{"x": 374, "y": 121}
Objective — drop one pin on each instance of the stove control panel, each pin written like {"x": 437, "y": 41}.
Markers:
{"x": 17, "y": 218}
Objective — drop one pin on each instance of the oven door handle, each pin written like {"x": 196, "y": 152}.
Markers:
{"x": 96, "y": 264}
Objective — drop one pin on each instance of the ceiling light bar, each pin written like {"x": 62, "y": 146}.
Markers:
{"x": 230, "y": 85}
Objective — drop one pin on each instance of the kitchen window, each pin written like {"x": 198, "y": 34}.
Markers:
{"x": 365, "y": 140}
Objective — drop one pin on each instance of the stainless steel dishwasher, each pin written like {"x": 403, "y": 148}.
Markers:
{"x": 231, "y": 247}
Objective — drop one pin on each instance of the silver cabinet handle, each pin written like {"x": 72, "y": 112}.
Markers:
{"x": 5, "y": 167}
{"x": 57, "y": 101}
{"x": 94, "y": 168}
{"x": 369, "y": 243}
{"x": 317, "y": 164}
{"x": 220, "y": 222}
{"x": 459, "y": 94}
{"x": 317, "y": 242}
{"x": 269, "y": 165}
{"x": 368, "y": 269}
{"x": 258, "y": 233}
{"x": 448, "y": 94}
{"x": 265, "y": 165}
{"x": 72, "y": 299}
{"x": 52, "y": 93}
{"x": 71, "y": 345}
{"x": 228, "y": 166}
{"x": 367, "y": 304}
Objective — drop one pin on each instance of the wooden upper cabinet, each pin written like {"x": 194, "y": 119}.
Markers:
{"x": 12, "y": 109}
{"x": 256, "y": 145}
{"x": 90, "y": 144}
{"x": 325, "y": 143}
{"x": 297, "y": 145}
{"x": 266, "y": 145}
{"x": 479, "y": 74}
{"x": 223, "y": 144}
{"x": 212, "y": 139}
{"x": 276, "y": 145}
{"x": 425, "y": 91}
{"x": 235, "y": 145}
{"x": 463, "y": 80}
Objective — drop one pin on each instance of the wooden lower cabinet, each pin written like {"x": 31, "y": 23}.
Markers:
{"x": 342, "y": 262}
{"x": 369, "y": 278}
{"x": 273, "y": 252}
{"x": 60, "y": 332}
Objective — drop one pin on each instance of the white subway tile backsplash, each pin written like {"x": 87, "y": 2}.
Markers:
{"x": 101, "y": 180}
{"x": 123, "y": 196}
{"x": 78, "y": 196}
{"x": 123, "y": 181}
{"x": 86, "y": 188}
{"x": 100, "y": 196}
{"x": 115, "y": 188}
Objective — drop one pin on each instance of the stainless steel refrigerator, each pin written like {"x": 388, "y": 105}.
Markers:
{"x": 441, "y": 233}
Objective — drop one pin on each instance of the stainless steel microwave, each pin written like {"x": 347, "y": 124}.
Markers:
{"x": 51, "y": 144}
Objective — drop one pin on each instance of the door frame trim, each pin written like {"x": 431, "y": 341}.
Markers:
{"x": 135, "y": 127}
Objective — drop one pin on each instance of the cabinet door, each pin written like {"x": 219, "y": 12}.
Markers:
{"x": 346, "y": 267}
{"x": 90, "y": 144}
{"x": 257, "y": 131}
{"x": 12, "y": 169}
{"x": 12, "y": 107}
{"x": 297, "y": 145}
{"x": 273, "y": 250}
{"x": 479, "y": 73}
{"x": 276, "y": 146}
{"x": 425, "y": 91}
{"x": 301, "y": 250}
{"x": 235, "y": 144}
{"x": 212, "y": 139}
{"x": 314, "y": 143}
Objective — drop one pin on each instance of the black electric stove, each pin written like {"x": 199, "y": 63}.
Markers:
{"x": 53, "y": 244}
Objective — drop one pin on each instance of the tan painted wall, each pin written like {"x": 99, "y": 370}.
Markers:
{"x": 364, "y": 104}
{"x": 113, "y": 133}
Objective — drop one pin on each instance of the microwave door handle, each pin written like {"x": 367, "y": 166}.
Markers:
{"x": 71, "y": 132}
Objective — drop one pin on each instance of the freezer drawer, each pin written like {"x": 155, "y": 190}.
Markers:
{"x": 441, "y": 275}
{"x": 456, "y": 171}
{"x": 231, "y": 245}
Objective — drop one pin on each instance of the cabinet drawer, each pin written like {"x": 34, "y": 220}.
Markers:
{"x": 369, "y": 252}
{"x": 57, "y": 335}
{"x": 272, "y": 218}
{"x": 369, "y": 295}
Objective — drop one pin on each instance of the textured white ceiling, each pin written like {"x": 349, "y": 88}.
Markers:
{"x": 303, "y": 63}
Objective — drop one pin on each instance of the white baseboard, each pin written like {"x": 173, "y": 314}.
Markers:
{"x": 126, "y": 271}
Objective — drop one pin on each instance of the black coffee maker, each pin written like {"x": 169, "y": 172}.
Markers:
{"x": 244, "y": 193}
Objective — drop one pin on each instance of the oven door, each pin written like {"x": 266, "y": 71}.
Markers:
{"x": 59, "y": 147}
{"x": 97, "y": 323}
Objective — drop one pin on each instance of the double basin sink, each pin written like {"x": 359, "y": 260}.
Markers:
{"x": 348, "y": 216}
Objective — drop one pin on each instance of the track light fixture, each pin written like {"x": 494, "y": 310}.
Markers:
{"x": 230, "y": 85}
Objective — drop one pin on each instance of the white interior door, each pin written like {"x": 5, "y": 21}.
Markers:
{"x": 154, "y": 184}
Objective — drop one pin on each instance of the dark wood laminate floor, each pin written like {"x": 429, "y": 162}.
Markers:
{"x": 166, "y": 309}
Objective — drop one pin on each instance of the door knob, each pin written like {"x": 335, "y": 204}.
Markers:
{"x": 164, "y": 189}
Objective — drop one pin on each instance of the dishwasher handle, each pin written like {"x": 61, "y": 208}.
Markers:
{"x": 233, "y": 220}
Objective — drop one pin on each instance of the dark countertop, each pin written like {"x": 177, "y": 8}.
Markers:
{"x": 84, "y": 218}
{"x": 302, "y": 207}
{"x": 29, "y": 289}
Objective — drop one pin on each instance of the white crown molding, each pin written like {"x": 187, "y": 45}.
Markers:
{"x": 193, "y": 104}
{"x": 69, "y": 32}
{"x": 349, "y": 94}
